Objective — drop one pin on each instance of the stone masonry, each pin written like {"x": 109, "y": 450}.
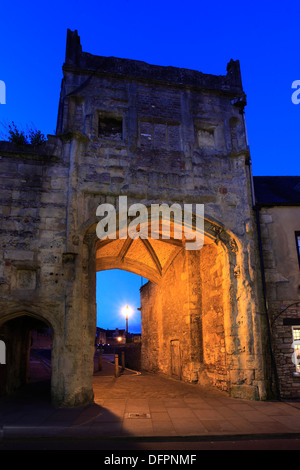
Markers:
{"x": 156, "y": 135}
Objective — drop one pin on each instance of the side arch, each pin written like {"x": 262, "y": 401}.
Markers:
{"x": 16, "y": 328}
{"x": 10, "y": 315}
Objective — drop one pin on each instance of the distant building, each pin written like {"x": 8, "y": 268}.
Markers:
{"x": 100, "y": 336}
{"x": 115, "y": 336}
{"x": 278, "y": 215}
{"x": 136, "y": 337}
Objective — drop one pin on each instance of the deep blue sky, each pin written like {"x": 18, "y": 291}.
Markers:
{"x": 116, "y": 289}
{"x": 200, "y": 35}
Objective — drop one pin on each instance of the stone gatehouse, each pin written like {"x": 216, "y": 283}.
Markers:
{"x": 155, "y": 135}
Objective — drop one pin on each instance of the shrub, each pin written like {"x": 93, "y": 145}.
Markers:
{"x": 36, "y": 137}
{"x": 17, "y": 136}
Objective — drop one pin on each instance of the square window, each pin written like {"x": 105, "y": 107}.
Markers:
{"x": 110, "y": 128}
{"x": 296, "y": 334}
{"x": 296, "y": 346}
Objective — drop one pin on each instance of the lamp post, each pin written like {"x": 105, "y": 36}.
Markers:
{"x": 126, "y": 312}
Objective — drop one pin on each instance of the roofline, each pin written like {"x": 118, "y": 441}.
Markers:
{"x": 77, "y": 61}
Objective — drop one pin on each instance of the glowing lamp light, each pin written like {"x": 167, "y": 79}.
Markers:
{"x": 126, "y": 311}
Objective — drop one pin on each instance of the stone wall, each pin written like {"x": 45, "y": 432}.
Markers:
{"x": 214, "y": 299}
{"x": 282, "y": 275}
{"x": 36, "y": 268}
{"x": 192, "y": 306}
{"x": 289, "y": 379}
{"x": 132, "y": 355}
{"x": 165, "y": 318}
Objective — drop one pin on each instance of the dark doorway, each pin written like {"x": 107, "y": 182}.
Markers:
{"x": 28, "y": 342}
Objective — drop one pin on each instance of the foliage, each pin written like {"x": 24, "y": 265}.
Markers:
{"x": 15, "y": 135}
{"x": 36, "y": 137}
{"x": 18, "y": 136}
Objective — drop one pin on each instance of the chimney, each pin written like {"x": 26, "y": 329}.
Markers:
{"x": 234, "y": 73}
{"x": 73, "y": 48}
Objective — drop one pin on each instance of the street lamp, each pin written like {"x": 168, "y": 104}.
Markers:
{"x": 126, "y": 311}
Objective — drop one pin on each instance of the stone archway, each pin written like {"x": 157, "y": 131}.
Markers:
{"x": 20, "y": 331}
{"x": 156, "y": 135}
{"x": 207, "y": 296}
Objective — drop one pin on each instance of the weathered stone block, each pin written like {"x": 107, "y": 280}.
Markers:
{"x": 26, "y": 279}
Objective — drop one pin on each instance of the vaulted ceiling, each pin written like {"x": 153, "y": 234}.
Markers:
{"x": 146, "y": 257}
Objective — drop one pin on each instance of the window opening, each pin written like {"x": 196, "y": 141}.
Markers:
{"x": 110, "y": 128}
{"x": 296, "y": 346}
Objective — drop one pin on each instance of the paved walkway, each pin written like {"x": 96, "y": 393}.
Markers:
{"x": 144, "y": 406}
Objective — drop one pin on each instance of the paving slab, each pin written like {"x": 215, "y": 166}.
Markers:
{"x": 144, "y": 405}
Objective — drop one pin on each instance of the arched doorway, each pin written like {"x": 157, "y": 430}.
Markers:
{"x": 111, "y": 303}
{"x": 200, "y": 306}
{"x": 185, "y": 306}
{"x": 119, "y": 318}
{"x": 28, "y": 339}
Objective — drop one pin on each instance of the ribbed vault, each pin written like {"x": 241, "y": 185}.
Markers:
{"x": 145, "y": 257}
{"x": 149, "y": 258}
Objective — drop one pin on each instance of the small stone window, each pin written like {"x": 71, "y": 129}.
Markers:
{"x": 110, "y": 128}
{"x": 206, "y": 138}
{"x": 296, "y": 346}
{"x": 160, "y": 135}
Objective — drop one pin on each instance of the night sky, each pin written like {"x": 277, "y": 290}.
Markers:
{"x": 197, "y": 35}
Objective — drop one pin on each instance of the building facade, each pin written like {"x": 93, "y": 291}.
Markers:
{"x": 278, "y": 213}
{"x": 153, "y": 135}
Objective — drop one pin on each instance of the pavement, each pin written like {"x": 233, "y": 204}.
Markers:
{"x": 137, "y": 406}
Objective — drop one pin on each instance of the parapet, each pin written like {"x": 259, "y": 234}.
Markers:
{"x": 87, "y": 63}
